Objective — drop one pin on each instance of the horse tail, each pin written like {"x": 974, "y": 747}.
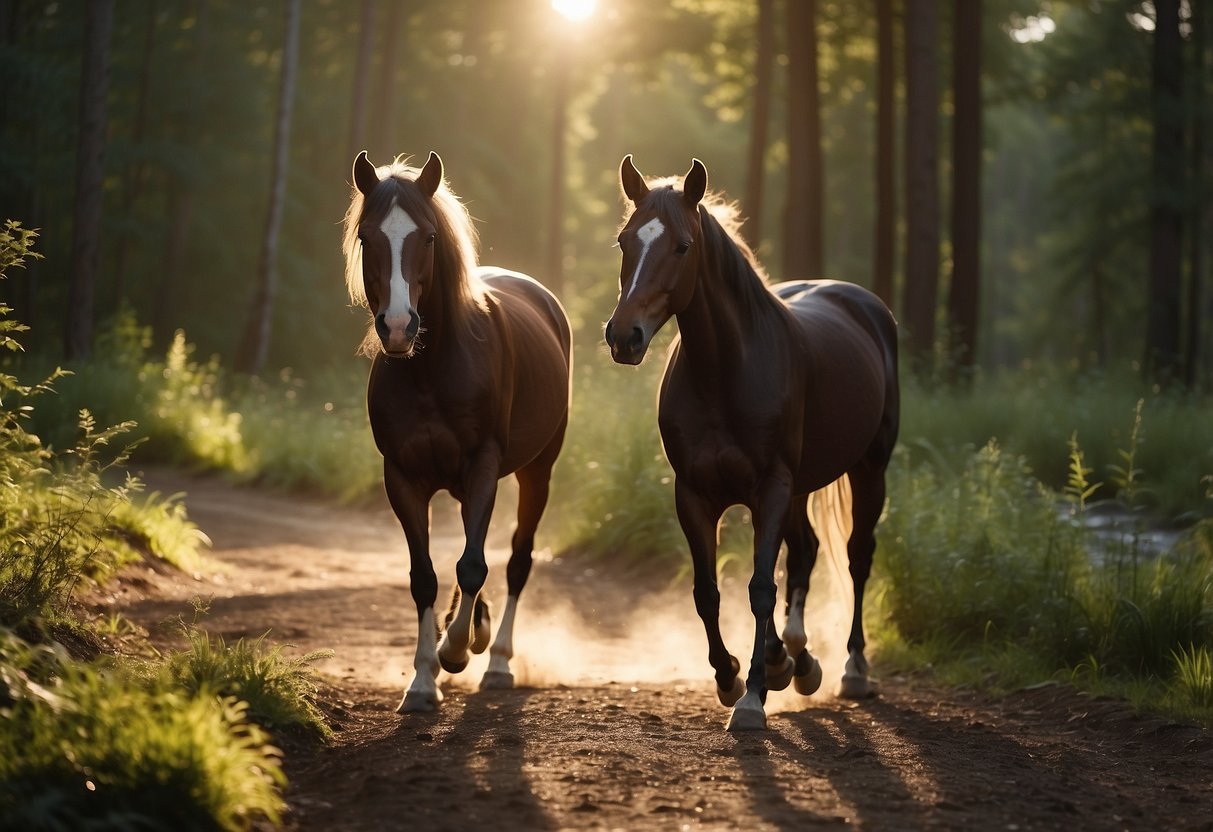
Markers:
{"x": 830, "y": 515}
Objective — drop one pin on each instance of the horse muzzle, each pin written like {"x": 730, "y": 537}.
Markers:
{"x": 398, "y": 341}
{"x": 628, "y": 348}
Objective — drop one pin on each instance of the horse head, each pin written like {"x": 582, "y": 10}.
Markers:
{"x": 396, "y": 232}
{"x": 660, "y": 258}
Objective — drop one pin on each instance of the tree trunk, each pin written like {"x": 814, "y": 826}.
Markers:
{"x": 180, "y": 196}
{"x": 1196, "y": 270}
{"x": 922, "y": 184}
{"x": 385, "y": 139}
{"x": 138, "y": 171}
{"x": 362, "y": 72}
{"x": 1162, "y": 358}
{"x": 886, "y": 195}
{"x": 802, "y": 236}
{"x": 965, "y": 288}
{"x": 254, "y": 347}
{"x": 553, "y": 276}
{"x": 756, "y": 164}
{"x": 90, "y": 173}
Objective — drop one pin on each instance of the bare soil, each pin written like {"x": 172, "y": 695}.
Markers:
{"x": 615, "y": 725}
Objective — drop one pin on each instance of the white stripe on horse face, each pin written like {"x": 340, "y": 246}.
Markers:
{"x": 396, "y": 226}
{"x": 647, "y": 233}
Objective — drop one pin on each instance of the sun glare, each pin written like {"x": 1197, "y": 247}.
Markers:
{"x": 575, "y": 10}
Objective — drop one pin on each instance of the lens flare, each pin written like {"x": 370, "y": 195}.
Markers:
{"x": 575, "y": 10}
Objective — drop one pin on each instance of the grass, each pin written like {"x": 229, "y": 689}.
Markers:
{"x": 91, "y": 747}
{"x": 110, "y": 743}
{"x": 278, "y": 691}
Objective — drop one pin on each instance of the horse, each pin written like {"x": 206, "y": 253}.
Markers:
{"x": 770, "y": 393}
{"x": 469, "y": 383}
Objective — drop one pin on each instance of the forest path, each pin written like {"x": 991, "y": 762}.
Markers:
{"x": 616, "y": 726}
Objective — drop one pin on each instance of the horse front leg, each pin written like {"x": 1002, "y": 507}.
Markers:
{"x": 698, "y": 519}
{"x": 480, "y": 493}
{"x": 412, "y": 508}
{"x": 769, "y": 513}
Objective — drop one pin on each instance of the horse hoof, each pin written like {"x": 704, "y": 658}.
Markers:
{"x": 809, "y": 680}
{"x": 729, "y": 697}
{"x": 747, "y": 718}
{"x": 419, "y": 701}
{"x": 856, "y": 687}
{"x": 497, "y": 680}
{"x": 778, "y": 675}
{"x": 450, "y": 665}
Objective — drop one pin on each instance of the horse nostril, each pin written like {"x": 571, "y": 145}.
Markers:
{"x": 381, "y": 326}
{"x": 610, "y": 331}
{"x": 414, "y": 324}
{"x": 637, "y": 339}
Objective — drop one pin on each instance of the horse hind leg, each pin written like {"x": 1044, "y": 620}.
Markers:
{"x": 802, "y": 556}
{"x": 867, "y": 495}
{"x": 534, "y": 483}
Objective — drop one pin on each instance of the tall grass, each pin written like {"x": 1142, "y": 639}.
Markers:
{"x": 82, "y": 747}
{"x": 278, "y": 691}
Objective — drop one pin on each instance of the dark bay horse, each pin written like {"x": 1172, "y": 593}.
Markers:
{"x": 769, "y": 394}
{"x": 469, "y": 383}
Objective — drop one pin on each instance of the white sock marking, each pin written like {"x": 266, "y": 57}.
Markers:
{"x": 503, "y": 646}
{"x": 425, "y": 662}
{"x": 794, "y": 637}
{"x": 647, "y": 233}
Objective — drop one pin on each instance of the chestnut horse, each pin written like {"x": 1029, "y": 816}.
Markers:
{"x": 469, "y": 383}
{"x": 769, "y": 394}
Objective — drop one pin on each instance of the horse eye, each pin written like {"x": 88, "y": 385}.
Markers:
{"x": 429, "y": 241}
{"x": 682, "y": 249}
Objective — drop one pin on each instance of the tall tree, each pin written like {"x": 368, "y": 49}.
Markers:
{"x": 362, "y": 73}
{"x": 802, "y": 238}
{"x": 965, "y": 288}
{"x": 886, "y": 194}
{"x": 255, "y": 345}
{"x": 185, "y": 125}
{"x": 1162, "y": 359}
{"x": 135, "y": 176}
{"x": 764, "y": 60}
{"x": 90, "y": 172}
{"x": 1199, "y": 21}
{"x": 385, "y": 94}
{"x": 553, "y": 275}
{"x": 922, "y": 183}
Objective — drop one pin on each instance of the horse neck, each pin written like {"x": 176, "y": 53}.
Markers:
{"x": 727, "y": 311}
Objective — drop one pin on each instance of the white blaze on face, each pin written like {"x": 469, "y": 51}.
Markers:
{"x": 396, "y": 226}
{"x": 647, "y": 234}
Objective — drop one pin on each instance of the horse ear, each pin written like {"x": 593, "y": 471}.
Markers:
{"x": 431, "y": 174}
{"x": 365, "y": 178}
{"x": 634, "y": 187}
{"x": 695, "y": 183}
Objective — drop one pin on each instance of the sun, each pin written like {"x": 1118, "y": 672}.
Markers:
{"x": 575, "y": 10}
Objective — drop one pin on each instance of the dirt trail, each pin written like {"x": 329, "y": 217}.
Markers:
{"x": 617, "y": 726}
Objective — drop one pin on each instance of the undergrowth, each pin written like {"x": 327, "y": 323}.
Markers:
{"x": 111, "y": 743}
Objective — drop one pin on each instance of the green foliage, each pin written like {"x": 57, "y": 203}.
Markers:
{"x": 87, "y": 747}
{"x": 1034, "y": 411}
{"x": 61, "y": 524}
{"x": 983, "y": 570}
{"x": 1194, "y": 668}
{"x": 279, "y": 692}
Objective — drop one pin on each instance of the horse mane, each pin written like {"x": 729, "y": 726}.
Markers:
{"x": 724, "y": 247}
{"x": 455, "y": 245}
